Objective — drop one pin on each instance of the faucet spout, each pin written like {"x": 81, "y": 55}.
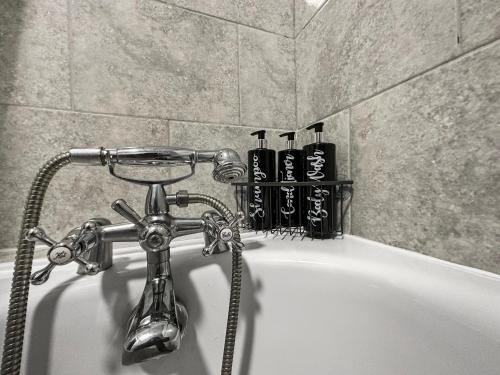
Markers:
{"x": 158, "y": 322}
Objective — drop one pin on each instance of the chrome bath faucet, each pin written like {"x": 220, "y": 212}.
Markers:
{"x": 157, "y": 323}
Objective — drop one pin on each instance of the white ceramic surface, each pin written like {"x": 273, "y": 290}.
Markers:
{"x": 338, "y": 307}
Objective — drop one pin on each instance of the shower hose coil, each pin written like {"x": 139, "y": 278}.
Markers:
{"x": 16, "y": 316}
{"x": 234, "y": 298}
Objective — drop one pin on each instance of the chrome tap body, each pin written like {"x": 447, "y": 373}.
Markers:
{"x": 158, "y": 321}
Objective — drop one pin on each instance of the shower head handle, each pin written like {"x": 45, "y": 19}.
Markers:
{"x": 226, "y": 162}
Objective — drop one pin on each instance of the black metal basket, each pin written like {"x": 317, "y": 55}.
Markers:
{"x": 340, "y": 190}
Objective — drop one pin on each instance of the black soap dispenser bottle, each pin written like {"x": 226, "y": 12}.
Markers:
{"x": 320, "y": 208}
{"x": 290, "y": 166}
{"x": 262, "y": 168}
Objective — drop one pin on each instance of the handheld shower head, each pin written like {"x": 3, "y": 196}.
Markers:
{"x": 227, "y": 166}
{"x": 227, "y": 163}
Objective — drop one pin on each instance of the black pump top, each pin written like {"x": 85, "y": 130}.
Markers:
{"x": 260, "y": 133}
{"x": 318, "y": 131}
{"x": 318, "y": 127}
{"x": 261, "y": 140}
{"x": 290, "y": 143}
{"x": 290, "y": 135}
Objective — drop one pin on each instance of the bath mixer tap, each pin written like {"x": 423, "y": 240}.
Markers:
{"x": 157, "y": 323}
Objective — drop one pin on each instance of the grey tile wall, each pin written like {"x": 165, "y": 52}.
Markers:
{"x": 142, "y": 62}
{"x": 142, "y": 57}
{"x": 34, "y": 66}
{"x": 351, "y": 50}
{"x": 29, "y": 137}
{"x": 410, "y": 146}
{"x": 267, "y": 79}
{"x": 425, "y": 161}
{"x": 424, "y": 131}
{"x": 480, "y": 21}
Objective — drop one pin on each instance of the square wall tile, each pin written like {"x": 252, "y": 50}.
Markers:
{"x": 275, "y": 16}
{"x": 480, "y": 22}
{"x": 352, "y": 50}
{"x": 267, "y": 79}
{"x": 34, "y": 67}
{"x": 425, "y": 163}
{"x": 143, "y": 57}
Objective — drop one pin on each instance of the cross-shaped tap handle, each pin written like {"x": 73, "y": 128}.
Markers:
{"x": 60, "y": 253}
{"x": 127, "y": 212}
{"x": 37, "y": 233}
{"x": 223, "y": 232}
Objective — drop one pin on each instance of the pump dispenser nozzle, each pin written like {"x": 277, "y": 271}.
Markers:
{"x": 261, "y": 138}
{"x": 318, "y": 129}
{"x": 290, "y": 143}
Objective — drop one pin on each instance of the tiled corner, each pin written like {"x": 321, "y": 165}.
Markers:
{"x": 143, "y": 57}
{"x": 480, "y": 22}
{"x": 304, "y": 11}
{"x": 275, "y": 16}
{"x": 206, "y": 137}
{"x": 77, "y": 193}
{"x": 34, "y": 67}
{"x": 267, "y": 79}
{"x": 425, "y": 163}
{"x": 352, "y": 50}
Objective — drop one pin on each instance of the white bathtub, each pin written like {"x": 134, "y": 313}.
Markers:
{"x": 337, "y": 307}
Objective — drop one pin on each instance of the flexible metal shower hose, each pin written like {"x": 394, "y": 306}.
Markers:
{"x": 16, "y": 318}
{"x": 234, "y": 299}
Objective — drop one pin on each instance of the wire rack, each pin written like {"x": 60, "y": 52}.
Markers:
{"x": 334, "y": 202}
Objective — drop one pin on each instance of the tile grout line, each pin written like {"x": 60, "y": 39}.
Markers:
{"x": 221, "y": 18}
{"x": 238, "y": 72}
{"x": 453, "y": 59}
{"x": 296, "y": 76}
{"x": 70, "y": 53}
{"x": 349, "y": 164}
{"x": 349, "y": 117}
{"x": 169, "y": 132}
{"x": 107, "y": 114}
{"x": 208, "y": 123}
{"x": 295, "y": 62}
{"x": 310, "y": 19}
{"x": 458, "y": 20}
{"x": 226, "y": 125}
